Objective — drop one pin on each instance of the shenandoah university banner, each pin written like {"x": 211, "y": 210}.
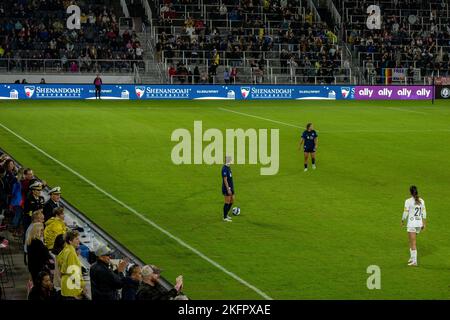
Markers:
{"x": 219, "y": 92}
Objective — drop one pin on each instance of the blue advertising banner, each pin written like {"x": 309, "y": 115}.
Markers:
{"x": 175, "y": 92}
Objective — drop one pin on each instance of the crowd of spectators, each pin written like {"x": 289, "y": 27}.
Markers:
{"x": 52, "y": 249}
{"x": 260, "y": 35}
{"x": 410, "y": 36}
{"x": 36, "y": 30}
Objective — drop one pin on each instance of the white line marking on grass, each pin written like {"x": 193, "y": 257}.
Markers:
{"x": 257, "y": 117}
{"x": 150, "y": 222}
{"x": 340, "y": 131}
{"x": 406, "y": 110}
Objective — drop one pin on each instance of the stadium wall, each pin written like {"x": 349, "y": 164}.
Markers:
{"x": 215, "y": 92}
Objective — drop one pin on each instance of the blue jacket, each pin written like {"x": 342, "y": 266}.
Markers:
{"x": 16, "y": 198}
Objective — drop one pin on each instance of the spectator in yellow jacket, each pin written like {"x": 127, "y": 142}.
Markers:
{"x": 54, "y": 227}
{"x": 72, "y": 284}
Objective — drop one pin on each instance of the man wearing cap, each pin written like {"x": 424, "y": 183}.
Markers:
{"x": 33, "y": 203}
{"x": 151, "y": 289}
{"x": 105, "y": 282}
{"x": 52, "y": 203}
{"x": 132, "y": 282}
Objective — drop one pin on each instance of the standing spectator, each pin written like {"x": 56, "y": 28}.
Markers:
{"x": 151, "y": 289}
{"x": 105, "y": 282}
{"x": 233, "y": 75}
{"x": 3, "y": 192}
{"x": 54, "y": 227}
{"x": 73, "y": 67}
{"x": 38, "y": 255}
{"x": 28, "y": 176}
{"x": 43, "y": 289}
{"x": 410, "y": 75}
{"x": 196, "y": 75}
{"x": 10, "y": 175}
{"x": 16, "y": 201}
{"x": 58, "y": 246}
{"x": 36, "y": 217}
{"x": 98, "y": 86}
{"x": 132, "y": 282}
{"x": 172, "y": 73}
{"x": 33, "y": 202}
{"x": 226, "y": 76}
{"x": 72, "y": 284}
{"x": 52, "y": 203}
{"x": 42, "y": 81}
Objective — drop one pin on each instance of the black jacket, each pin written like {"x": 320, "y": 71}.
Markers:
{"x": 40, "y": 295}
{"x": 156, "y": 292}
{"x": 105, "y": 282}
{"x": 32, "y": 204}
{"x": 130, "y": 289}
{"x": 48, "y": 209}
{"x": 38, "y": 257}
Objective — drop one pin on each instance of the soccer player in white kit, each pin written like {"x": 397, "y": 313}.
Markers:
{"x": 416, "y": 215}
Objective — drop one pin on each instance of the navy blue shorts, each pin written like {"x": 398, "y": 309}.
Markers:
{"x": 309, "y": 150}
{"x": 225, "y": 193}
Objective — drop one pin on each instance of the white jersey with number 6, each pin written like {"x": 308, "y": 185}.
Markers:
{"x": 414, "y": 213}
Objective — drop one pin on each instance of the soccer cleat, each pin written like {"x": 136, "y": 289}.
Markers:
{"x": 413, "y": 264}
{"x": 314, "y": 167}
{"x": 227, "y": 219}
{"x": 306, "y": 169}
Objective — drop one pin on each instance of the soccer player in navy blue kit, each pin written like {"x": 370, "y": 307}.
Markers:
{"x": 310, "y": 141}
{"x": 227, "y": 188}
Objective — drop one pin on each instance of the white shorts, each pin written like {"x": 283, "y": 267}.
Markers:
{"x": 414, "y": 229}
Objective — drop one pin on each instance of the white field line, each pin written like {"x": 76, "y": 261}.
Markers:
{"x": 339, "y": 131}
{"x": 262, "y": 118}
{"x": 142, "y": 217}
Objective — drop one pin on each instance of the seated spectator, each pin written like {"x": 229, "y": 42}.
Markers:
{"x": 54, "y": 227}
{"x": 72, "y": 284}
{"x": 39, "y": 258}
{"x": 52, "y": 203}
{"x": 105, "y": 282}
{"x": 43, "y": 289}
{"x": 132, "y": 282}
{"x": 151, "y": 289}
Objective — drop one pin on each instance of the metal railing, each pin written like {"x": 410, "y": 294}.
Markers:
{"x": 282, "y": 79}
{"x": 149, "y": 14}
{"x": 126, "y": 13}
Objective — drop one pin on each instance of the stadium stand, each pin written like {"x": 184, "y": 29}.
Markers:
{"x": 414, "y": 34}
{"x": 15, "y": 281}
{"x": 34, "y": 38}
{"x": 229, "y": 41}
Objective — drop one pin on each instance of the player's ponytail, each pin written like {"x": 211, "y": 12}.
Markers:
{"x": 415, "y": 194}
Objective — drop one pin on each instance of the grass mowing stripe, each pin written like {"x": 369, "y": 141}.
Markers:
{"x": 405, "y": 110}
{"x": 139, "y": 215}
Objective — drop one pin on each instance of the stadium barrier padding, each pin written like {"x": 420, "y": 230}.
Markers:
{"x": 215, "y": 92}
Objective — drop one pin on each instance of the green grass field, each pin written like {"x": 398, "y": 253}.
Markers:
{"x": 300, "y": 235}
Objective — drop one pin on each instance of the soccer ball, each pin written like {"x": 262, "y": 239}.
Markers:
{"x": 236, "y": 211}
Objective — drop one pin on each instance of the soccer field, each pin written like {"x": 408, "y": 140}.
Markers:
{"x": 300, "y": 235}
